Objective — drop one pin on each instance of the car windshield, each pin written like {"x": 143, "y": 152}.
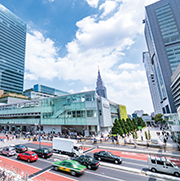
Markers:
{"x": 46, "y": 151}
{"x": 75, "y": 165}
{"x": 22, "y": 146}
{"x": 12, "y": 149}
{"x": 110, "y": 154}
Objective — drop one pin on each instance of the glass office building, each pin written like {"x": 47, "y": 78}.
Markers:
{"x": 162, "y": 33}
{"x": 84, "y": 112}
{"x": 48, "y": 90}
{"x": 12, "y": 51}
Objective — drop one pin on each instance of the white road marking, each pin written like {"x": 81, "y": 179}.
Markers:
{"x": 100, "y": 175}
{"x": 134, "y": 163}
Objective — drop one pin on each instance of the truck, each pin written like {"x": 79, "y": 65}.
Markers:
{"x": 67, "y": 146}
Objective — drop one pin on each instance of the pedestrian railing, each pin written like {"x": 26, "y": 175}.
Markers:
{"x": 9, "y": 172}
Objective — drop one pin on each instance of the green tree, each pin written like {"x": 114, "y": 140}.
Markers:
{"x": 133, "y": 135}
{"x": 149, "y": 135}
{"x": 146, "y": 135}
{"x": 136, "y": 136}
{"x": 129, "y": 122}
{"x": 116, "y": 127}
{"x": 122, "y": 123}
{"x": 140, "y": 122}
{"x": 158, "y": 118}
{"x": 135, "y": 123}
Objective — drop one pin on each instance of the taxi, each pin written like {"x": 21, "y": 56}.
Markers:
{"x": 70, "y": 166}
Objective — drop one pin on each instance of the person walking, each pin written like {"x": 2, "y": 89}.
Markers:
{"x": 165, "y": 144}
{"x": 113, "y": 139}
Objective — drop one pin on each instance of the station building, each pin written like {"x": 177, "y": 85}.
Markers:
{"x": 84, "y": 112}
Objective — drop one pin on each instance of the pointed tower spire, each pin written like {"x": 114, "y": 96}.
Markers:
{"x": 100, "y": 88}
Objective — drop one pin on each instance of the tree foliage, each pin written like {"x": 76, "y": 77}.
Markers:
{"x": 147, "y": 135}
{"x": 140, "y": 122}
{"x": 158, "y": 118}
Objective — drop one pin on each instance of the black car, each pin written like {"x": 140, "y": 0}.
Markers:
{"x": 88, "y": 161}
{"x": 20, "y": 148}
{"x": 108, "y": 156}
{"x": 43, "y": 152}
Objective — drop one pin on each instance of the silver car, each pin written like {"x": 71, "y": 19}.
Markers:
{"x": 161, "y": 164}
{"x": 8, "y": 151}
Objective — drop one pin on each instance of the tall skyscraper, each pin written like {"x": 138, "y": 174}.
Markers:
{"x": 152, "y": 83}
{"x": 162, "y": 33}
{"x": 12, "y": 51}
{"x": 100, "y": 88}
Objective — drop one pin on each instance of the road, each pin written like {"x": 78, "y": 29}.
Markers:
{"x": 42, "y": 168}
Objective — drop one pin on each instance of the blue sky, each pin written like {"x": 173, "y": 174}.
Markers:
{"x": 68, "y": 39}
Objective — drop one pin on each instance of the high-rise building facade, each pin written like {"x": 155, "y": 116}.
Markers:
{"x": 162, "y": 33}
{"x": 12, "y": 51}
{"x": 100, "y": 88}
{"x": 152, "y": 83}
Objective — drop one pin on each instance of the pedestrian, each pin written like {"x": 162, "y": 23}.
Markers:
{"x": 165, "y": 144}
{"x": 135, "y": 144}
{"x": 141, "y": 138}
{"x": 147, "y": 144}
{"x": 125, "y": 142}
{"x": 117, "y": 141}
{"x": 113, "y": 139}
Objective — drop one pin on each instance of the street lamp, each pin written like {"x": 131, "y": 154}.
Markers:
{"x": 64, "y": 115}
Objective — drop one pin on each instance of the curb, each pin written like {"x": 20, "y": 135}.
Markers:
{"x": 162, "y": 176}
{"x": 138, "y": 171}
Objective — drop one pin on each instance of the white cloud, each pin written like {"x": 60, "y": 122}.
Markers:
{"x": 108, "y": 7}
{"x": 85, "y": 89}
{"x": 28, "y": 76}
{"x": 72, "y": 83}
{"x": 71, "y": 91}
{"x": 40, "y": 56}
{"x": 129, "y": 66}
{"x": 93, "y": 3}
{"x": 98, "y": 42}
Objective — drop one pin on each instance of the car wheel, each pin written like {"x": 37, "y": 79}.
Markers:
{"x": 176, "y": 174}
{"x": 8, "y": 155}
{"x": 56, "y": 168}
{"x": 18, "y": 158}
{"x": 73, "y": 173}
{"x": 153, "y": 170}
{"x": 42, "y": 156}
{"x": 59, "y": 152}
{"x": 29, "y": 160}
{"x": 99, "y": 158}
{"x": 89, "y": 166}
{"x": 116, "y": 161}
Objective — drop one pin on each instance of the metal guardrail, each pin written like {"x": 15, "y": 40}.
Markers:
{"x": 11, "y": 173}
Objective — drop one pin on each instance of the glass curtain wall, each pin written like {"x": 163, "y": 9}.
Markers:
{"x": 67, "y": 110}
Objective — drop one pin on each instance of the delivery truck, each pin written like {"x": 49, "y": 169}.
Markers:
{"x": 67, "y": 146}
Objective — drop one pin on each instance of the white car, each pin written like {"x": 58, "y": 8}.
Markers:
{"x": 8, "y": 151}
{"x": 161, "y": 164}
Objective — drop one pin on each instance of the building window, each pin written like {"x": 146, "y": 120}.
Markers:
{"x": 89, "y": 113}
{"x": 74, "y": 114}
{"x": 69, "y": 114}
